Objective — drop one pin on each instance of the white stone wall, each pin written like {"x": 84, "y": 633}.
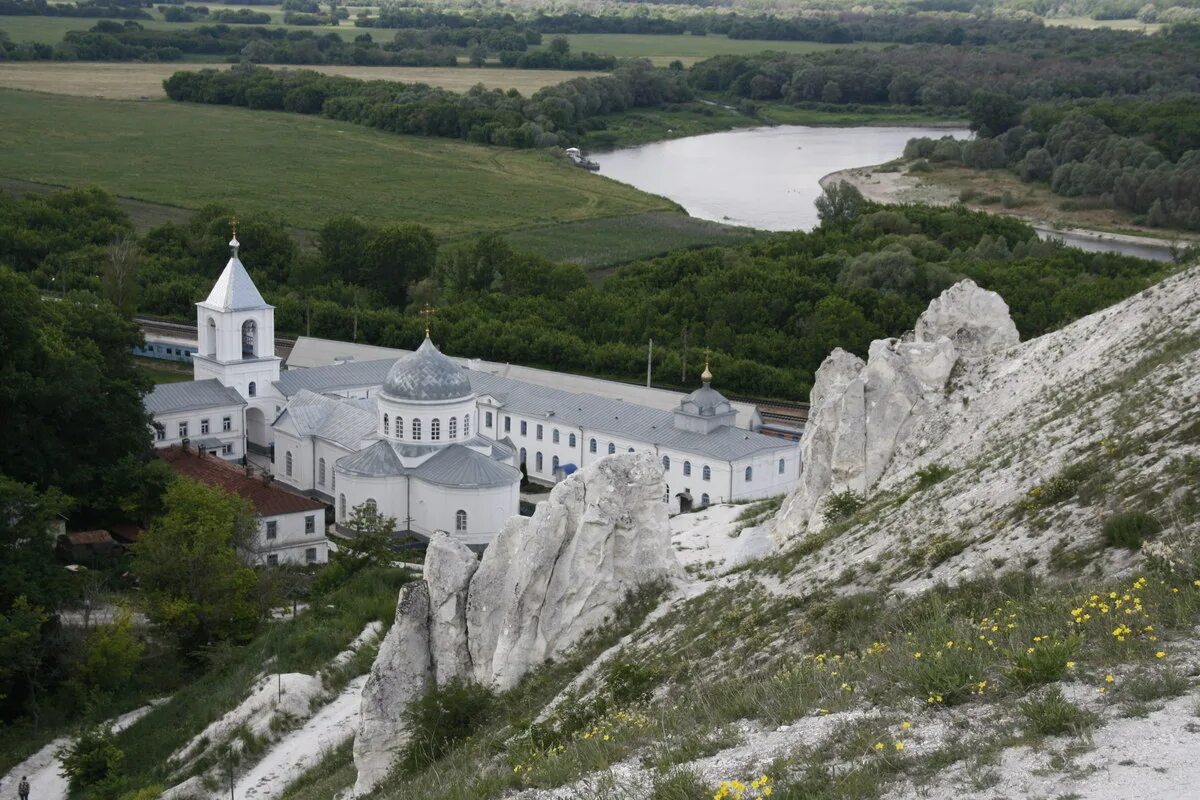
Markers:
{"x": 435, "y": 508}
{"x": 194, "y": 420}
{"x": 292, "y": 542}
{"x": 426, "y": 413}
{"x": 301, "y": 450}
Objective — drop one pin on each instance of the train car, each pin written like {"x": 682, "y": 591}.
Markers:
{"x": 166, "y": 348}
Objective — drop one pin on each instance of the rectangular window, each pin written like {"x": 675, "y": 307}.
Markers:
{"x": 310, "y": 555}
{"x": 227, "y": 424}
{"x": 310, "y": 524}
{"x": 507, "y": 424}
{"x": 273, "y": 560}
{"x": 160, "y": 433}
{"x": 203, "y": 427}
{"x": 272, "y": 529}
{"x": 183, "y": 430}
{"x": 524, "y": 428}
{"x": 539, "y": 433}
{"x": 487, "y": 418}
{"x": 227, "y": 449}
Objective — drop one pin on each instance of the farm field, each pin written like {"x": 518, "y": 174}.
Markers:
{"x": 139, "y": 81}
{"x": 663, "y": 49}
{"x": 303, "y": 169}
{"x": 1114, "y": 24}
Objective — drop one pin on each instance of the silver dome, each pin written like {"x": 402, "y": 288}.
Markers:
{"x": 706, "y": 402}
{"x": 427, "y": 375}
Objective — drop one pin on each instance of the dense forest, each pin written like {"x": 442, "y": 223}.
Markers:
{"x": 771, "y": 310}
{"x": 555, "y": 115}
{"x": 1137, "y": 156}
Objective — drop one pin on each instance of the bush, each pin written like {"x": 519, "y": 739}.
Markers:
{"x": 1043, "y": 662}
{"x": 629, "y": 682}
{"x": 92, "y": 763}
{"x": 1129, "y": 529}
{"x": 842, "y": 505}
{"x": 934, "y": 473}
{"x": 1052, "y": 715}
{"x": 442, "y": 718}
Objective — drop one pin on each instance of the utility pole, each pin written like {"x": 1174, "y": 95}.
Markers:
{"x": 683, "y": 363}
{"x": 649, "y": 362}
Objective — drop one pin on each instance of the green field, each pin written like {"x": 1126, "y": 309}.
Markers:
{"x": 163, "y": 371}
{"x": 664, "y": 48}
{"x": 304, "y": 169}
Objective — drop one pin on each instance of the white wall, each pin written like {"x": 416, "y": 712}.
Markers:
{"x": 215, "y": 416}
{"x": 291, "y": 542}
{"x": 435, "y": 507}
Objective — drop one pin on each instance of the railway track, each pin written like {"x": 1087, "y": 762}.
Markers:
{"x": 182, "y": 330}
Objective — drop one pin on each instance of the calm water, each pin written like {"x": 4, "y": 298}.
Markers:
{"x": 763, "y": 178}
{"x": 768, "y": 178}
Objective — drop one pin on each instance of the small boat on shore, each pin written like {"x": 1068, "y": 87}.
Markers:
{"x": 580, "y": 160}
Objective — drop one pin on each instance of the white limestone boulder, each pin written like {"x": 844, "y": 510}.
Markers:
{"x": 975, "y": 320}
{"x": 449, "y": 566}
{"x": 546, "y": 581}
{"x": 402, "y": 672}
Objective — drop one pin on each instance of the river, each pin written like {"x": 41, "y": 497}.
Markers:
{"x": 768, "y": 178}
{"x": 764, "y": 178}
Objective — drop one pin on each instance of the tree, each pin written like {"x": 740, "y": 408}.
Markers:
{"x": 397, "y": 256}
{"x": 110, "y": 654}
{"x": 342, "y": 242}
{"x": 197, "y": 587}
{"x": 93, "y": 763}
{"x": 992, "y": 113}
{"x": 478, "y": 55}
{"x": 371, "y": 544}
{"x": 839, "y": 204}
{"x": 560, "y": 45}
{"x": 120, "y": 274}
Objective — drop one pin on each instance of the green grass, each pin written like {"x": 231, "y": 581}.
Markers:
{"x": 161, "y": 372}
{"x": 304, "y": 169}
{"x": 780, "y": 114}
{"x": 599, "y": 243}
{"x": 664, "y": 48}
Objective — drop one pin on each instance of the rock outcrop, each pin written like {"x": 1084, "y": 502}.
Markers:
{"x": 402, "y": 672}
{"x": 862, "y": 412}
{"x": 542, "y": 584}
{"x": 449, "y": 566}
{"x": 548, "y": 580}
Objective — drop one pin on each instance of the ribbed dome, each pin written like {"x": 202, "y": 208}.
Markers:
{"x": 427, "y": 375}
{"x": 706, "y": 402}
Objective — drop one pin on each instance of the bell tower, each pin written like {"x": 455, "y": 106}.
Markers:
{"x": 235, "y": 329}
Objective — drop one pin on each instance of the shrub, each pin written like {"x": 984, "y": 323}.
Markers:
{"x": 934, "y": 473}
{"x": 93, "y": 763}
{"x": 1042, "y": 662}
{"x": 842, "y": 505}
{"x": 442, "y": 718}
{"x": 1129, "y": 529}
{"x": 629, "y": 682}
{"x": 1052, "y": 715}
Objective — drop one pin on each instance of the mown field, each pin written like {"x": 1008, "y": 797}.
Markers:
{"x": 139, "y": 81}
{"x": 305, "y": 169}
{"x": 663, "y": 49}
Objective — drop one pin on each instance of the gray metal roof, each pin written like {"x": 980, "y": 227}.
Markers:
{"x": 707, "y": 402}
{"x": 235, "y": 290}
{"x": 167, "y": 398}
{"x": 427, "y": 375}
{"x": 627, "y": 420}
{"x": 335, "y": 377}
{"x": 346, "y": 422}
{"x": 452, "y": 465}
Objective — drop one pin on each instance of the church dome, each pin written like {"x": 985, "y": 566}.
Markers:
{"x": 706, "y": 402}
{"x": 427, "y": 375}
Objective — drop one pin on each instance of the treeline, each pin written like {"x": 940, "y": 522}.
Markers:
{"x": 119, "y": 9}
{"x": 772, "y": 310}
{"x": 555, "y": 115}
{"x": 1141, "y": 157}
{"x": 944, "y": 77}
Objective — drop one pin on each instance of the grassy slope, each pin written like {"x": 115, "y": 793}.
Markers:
{"x": 303, "y": 168}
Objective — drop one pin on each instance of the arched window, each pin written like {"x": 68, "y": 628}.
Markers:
{"x": 387, "y": 431}
{"x": 539, "y": 462}
{"x": 781, "y": 466}
{"x": 342, "y": 507}
{"x": 416, "y": 428}
{"x": 592, "y": 446}
{"x": 452, "y": 430}
{"x": 435, "y": 429}
{"x": 703, "y": 499}
{"x": 249, "y": 339}
{"x": 466, "y": 426}
{"x": 460, "y": 521}
{"x": 612, "y": 448}
{"x": 554, "y": 464}
{"x": 749, "y": 474}
{"x": 321, "y": 471}
{"x": 571, "y": 440}
{"x": 252, "y": 389}
{"x": 554, "y": 436}
{"x": 210, "y": 341}
{"x": 687, "y": 468}
{"x": 524, "y": 456}
{"x": 399, "y": 427}
{"x": 288, "y": 462}
{"x": 666, "y": 463}
{"x": 706, "y": 473}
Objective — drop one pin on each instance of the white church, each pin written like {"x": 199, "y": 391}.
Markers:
{"x": 440, "y": 444}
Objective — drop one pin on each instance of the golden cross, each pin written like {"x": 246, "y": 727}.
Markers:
{"x": 233, "y": 224}
{"x": 707, "y": 352}
{"x": 427, "y": 312}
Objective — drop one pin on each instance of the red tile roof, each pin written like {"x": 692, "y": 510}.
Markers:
{"x": 89, "y": 537}
{"x": 268, "y": 499}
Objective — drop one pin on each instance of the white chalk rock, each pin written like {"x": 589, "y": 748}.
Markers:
{"x": 546, "y": 581}
{"x": 402, "y": 672}
{"x": 976, "y": 321}
{"x": 449, "y": 566}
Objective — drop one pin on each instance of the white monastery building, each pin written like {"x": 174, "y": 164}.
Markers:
{"x": 441, "y": 444}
